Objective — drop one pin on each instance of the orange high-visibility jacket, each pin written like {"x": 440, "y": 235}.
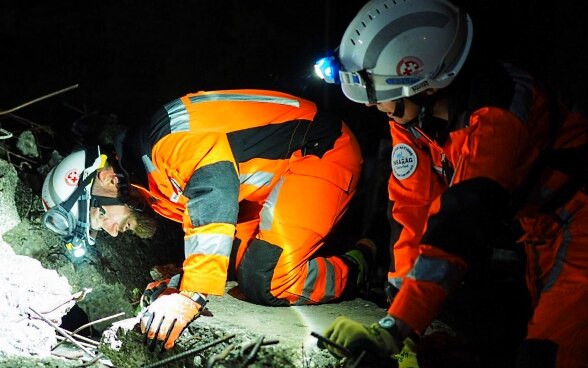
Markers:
{"x": 205, "y": 152}
{"x": 447, "y": 192}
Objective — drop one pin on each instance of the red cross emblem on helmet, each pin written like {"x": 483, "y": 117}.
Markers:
{"x": 409, "y": 65}
{"x": 72, "y": 177}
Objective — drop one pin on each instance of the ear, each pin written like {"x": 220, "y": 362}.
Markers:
{"x": 107, "y": 178}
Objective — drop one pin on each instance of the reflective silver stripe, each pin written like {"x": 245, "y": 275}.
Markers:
{"x": 560, "y": 257}
{"x": 179, "y": 120}
{"x": 149, "y": 167}
{"x": 310, "y": 281}
{"x": 330, "y": 282}
{"x": 245, "y": 98}
{"x": 436, "y": 270}
{"x": 269, "y": 206}
{"x": 414, "y": 132}
{"x": 523, "y": 95}
{"x": 213, "y": 244}
{"x": 258, "y": 179}
{"x": 312, "y": 275}
{"x": 396, "y": 282}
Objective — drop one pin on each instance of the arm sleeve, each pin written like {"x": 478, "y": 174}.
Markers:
{"x": 204, "y": 169}
{"x": 494, "y": 154}
{"x": 411, "y": 197}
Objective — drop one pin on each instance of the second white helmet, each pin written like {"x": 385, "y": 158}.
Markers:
{"x": 394, "y": 49}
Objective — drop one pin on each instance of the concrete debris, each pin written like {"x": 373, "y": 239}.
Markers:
{"x": 27, "y": 144}
{"x": 25, "y": 283}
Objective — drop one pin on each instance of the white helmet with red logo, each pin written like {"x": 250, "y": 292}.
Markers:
{"x": 394, "y": 49}
{"x": 66, "y": 195}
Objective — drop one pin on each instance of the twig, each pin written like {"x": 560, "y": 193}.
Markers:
{"x": 342, "y": 348}
{"x": 189, "y": 352}
{"x": 6, "y": 134}
{"x": 98, "y": 321}
{"x": 75, "y": 296}
{"x": 89, "y": 343}
{"x": 38, "y": 126}
{"x": 253, "y": 352}
{"x": 62, "y": 332}
{"x": 2, "y": 112}
{"x": 92, "y": 361}
{"x": 90, "y": 324}
{"x": 17, "y": 155}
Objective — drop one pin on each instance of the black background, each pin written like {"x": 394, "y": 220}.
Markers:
{"x": 130, "y": 57}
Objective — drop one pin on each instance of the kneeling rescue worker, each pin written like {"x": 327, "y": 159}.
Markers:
{"x": 258, "y": 179}
{"x": 475, "y": 141}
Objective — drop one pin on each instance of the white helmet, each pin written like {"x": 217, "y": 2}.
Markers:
{"x": 394, "y": 49}
{"x": 66, "y": 195}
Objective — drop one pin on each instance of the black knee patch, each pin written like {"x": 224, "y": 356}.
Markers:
{"x": 535, "y": 353}
{"x": 232, "y": 272}
{"x": 256, "y": 271}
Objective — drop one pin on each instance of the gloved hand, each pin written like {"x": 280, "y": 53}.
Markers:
{"x": 407, "y": 358}
{"x": 165, "y": 319}
{"x": 157, "y": 288}
{"x": 356, "y": 337}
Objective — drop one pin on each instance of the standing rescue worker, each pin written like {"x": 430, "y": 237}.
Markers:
{"x": 474, "y": 142}
{"x": 257, "y": 179}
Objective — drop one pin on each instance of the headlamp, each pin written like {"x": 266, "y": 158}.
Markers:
{"x": 71, "y": 231}
{"x": 328, "y": 68}
{"x": 77, "y": 251}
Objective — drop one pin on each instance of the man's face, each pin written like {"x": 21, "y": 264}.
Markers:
{"x": 112, "y": 219}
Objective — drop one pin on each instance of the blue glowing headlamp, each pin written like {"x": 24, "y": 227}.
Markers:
{"x": 328, "y": 68}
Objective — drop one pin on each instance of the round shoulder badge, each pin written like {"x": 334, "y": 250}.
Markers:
{"x": 404, "y": 161}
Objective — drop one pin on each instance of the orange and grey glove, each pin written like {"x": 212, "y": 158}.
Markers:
{"x": 357, "y": 337}
{"x": 165, "y": 319}
{"x": 157, "y": 288}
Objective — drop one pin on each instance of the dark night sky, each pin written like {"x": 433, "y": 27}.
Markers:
{"x": 130, "y": 56}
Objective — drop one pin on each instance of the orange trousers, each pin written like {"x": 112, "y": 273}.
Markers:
{"x": 278, "y": 238}
{"x": 557, "y": 277}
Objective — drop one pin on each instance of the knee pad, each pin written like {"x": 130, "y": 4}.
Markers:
{"x": 256, "y": 271}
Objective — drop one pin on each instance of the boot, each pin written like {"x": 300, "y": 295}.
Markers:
{"x": 360, "y": 260}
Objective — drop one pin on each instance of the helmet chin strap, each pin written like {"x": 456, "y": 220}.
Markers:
{"x": 99, "y": 201}
{"x": 399, "y": 108}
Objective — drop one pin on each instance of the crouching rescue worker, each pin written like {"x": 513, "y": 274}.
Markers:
{"x": 474, "y": 142}
{"x": 258, "y": 179}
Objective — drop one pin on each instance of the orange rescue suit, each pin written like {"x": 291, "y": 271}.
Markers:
{"x": 448, "y": 191}
{"x": 258, "y": 179}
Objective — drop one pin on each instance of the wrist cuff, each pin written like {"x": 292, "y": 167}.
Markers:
{"x": 197, "y": 298}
